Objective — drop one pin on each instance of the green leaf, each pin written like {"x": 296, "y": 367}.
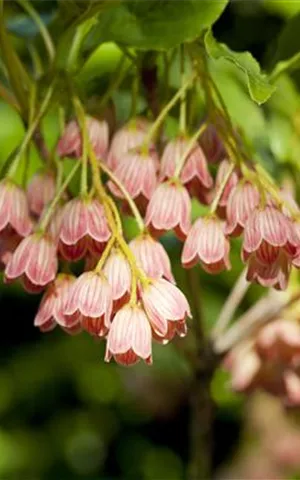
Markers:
{"x": 243, "y": 111}
{"x": 259, "y": 87}
{"x": 287, "y": 55}
{"x": 76, "y": 12}
{"x": 282, "y": 7}
{"x": 156, "y": 24}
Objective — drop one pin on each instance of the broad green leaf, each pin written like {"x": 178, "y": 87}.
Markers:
{"x": 156, "y": 24}
{"x": 260, "y": 88}
{"x": 244, "y": 112}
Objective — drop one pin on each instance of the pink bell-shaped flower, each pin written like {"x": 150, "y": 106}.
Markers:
{"x": 212, "y": 144}
{"x": 91, "y": 297}
{"x": 137, "y": 172}
{"x": 206, "y": 243}
{"x": 195, "y": 174}
{"x": 271, "y": 241}
{"x": 52, "y": 308}
{"x": 34, "y": 261}
{"x": 152, "y": 257}
{"x": 243, "y": 199}
{"x": 271, "y": 269}
{"x": 169, "y": 209}
{"x": 70, "y": 144}
{"x": 164, "y": 304}
{"x": 40, "y": 192}
{"x": 129, "y": 338}
{"x": 14, "y": 210}
{"x": 84, "y": 228}
{"x": 127, "y": 138}
{"x": 118, "y": 274}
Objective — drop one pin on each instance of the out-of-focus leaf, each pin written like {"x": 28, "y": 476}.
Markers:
{"x": 287, "y": 55}
{"x": 282, "y": 7}
{"x": 23, "y": 26}
{"x": 287, "y": 99}
{"x": 260, "y": 88}
{"x": 221, "y": 391}
{"x": 103, "y": 60}
{"x": 76, "y": 12}
{"x": 158, "y": 24}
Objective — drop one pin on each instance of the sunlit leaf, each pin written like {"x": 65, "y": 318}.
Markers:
{"x": 260, "y": 88}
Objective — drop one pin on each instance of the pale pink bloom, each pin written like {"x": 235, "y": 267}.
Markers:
{"x": 270, "y": 225}
{"x": 14, "y": 210}
{"x": 169, "y": 209}
{"x": 212, "y": 144}
{"x": 70, "y": 144}
{"x": 195, "y": 174}
{"x": 207, "y": 243}
{"x": 91, "y": 297}
{"x": 152, "y": 257}
{"x": 137, "y": 172}
{"x": 280, "y": 338}
{"x": 273, "y": 274}
{"x": 271, "y": 242}
{"x": 231, "y": 183}
{"x": 118, "y": 274}
{"x": 127, "y": 138}
{"x": 52, "y": 308}
{"x": 164, "y": 303}
{"x": 84, "y": 228}
{"x": 243, "y": 199}
{"x": 34, "y": 261}
{"x": 270, "y": 361}
{"x": 40, "y": 192}
{"x": 9, "y": 240}
{"x": 129, "y": 337}
{"x": 244, "y": 364}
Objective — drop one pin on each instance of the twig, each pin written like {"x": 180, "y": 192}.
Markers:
{"x": 265, "y": 310}
{"x": 231, "y": 304}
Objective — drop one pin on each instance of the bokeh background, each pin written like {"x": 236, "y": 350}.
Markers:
{"x": 64, "y": 413}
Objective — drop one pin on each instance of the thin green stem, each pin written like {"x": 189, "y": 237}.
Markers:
{"x": 48, "y": 214}
{"x": 9, "y": 98}
{"x": 37, "y": 65}
{"x": 188, "y": 149}
{"x": 221, "y": 189}
{"x": 41, "y": 26}
{"x": 116, "y": 80}
{"x": 85, "y": 141}
{"x": 32, "y": 106}
{"x": 156, "y": 125}
{"x": 232, "y": 302}
{"x": 182, "y": 116}
{"x": 134, "y": 94}
{"x": 130, "y": 201}
{"x": 31, "y": 130}
{"x": 105, "y": 254}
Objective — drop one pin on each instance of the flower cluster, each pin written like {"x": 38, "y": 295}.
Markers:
{"x": 126, "y": 293}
